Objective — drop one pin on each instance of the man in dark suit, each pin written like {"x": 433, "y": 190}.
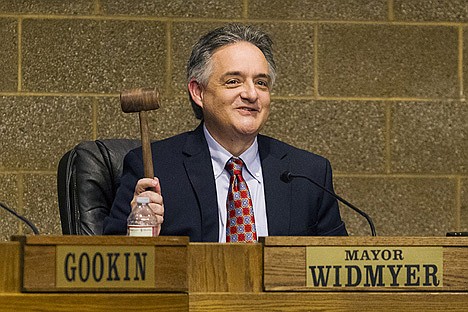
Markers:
{"x": 230, "y": 75}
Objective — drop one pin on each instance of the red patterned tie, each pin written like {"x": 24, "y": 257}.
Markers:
{"x": 240, "y": 218}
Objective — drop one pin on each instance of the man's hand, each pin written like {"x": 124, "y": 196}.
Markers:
{"x": 150, "y": 188}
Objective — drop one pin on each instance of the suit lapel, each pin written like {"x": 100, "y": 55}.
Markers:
{"x": 200, "y": 172}
{"x": 277, "y": 193}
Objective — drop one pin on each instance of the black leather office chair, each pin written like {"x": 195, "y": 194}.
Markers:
{"x": 87, "y": 180}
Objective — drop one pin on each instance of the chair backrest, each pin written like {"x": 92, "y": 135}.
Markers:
{"x": 87, "y": 179}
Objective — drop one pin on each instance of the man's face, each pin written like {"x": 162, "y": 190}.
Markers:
{"x": 236, "y": 100}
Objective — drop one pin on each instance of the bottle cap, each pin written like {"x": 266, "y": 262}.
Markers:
{"x": 143, "y": 200}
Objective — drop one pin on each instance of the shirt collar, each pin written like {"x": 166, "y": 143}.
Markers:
{"x": 219, "y": 157}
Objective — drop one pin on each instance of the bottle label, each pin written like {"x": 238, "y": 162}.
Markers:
{"x": 141, "y": 230}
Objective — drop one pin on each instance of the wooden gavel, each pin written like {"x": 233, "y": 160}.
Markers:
{"x": 142, "y": 100}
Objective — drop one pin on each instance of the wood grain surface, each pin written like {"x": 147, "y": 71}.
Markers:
{"x": 10, "y": 277}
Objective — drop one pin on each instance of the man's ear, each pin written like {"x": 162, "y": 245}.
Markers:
{"x": 196, "y": 92}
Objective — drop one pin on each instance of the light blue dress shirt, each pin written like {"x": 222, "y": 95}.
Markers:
{"x": 252, "y": 173}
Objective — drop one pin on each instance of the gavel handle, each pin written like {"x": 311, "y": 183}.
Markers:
{"x": 146, "y": 145}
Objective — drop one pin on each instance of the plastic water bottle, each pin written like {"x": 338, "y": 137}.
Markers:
{"x": 142, "y": 221}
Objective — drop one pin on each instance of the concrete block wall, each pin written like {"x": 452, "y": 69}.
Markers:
{"x": 376, "y": 86}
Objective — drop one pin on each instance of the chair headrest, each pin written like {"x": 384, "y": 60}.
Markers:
{"x": 87, "y": 179}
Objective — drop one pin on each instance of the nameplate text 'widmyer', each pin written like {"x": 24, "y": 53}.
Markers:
{"x": 374, "y": 267}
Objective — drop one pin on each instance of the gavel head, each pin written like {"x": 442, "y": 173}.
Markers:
{"x": 138, "y": 100}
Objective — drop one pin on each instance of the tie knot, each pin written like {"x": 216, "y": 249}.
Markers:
{"x": 234, "y": 166}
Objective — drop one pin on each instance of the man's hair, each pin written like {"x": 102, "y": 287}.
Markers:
{"x": 199, "y": 66}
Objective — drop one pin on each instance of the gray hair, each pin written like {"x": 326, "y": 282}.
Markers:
{"x": 199, "y": 66}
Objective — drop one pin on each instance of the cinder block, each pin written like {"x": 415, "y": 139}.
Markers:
{"x": 388, "y": 61}
{"x": 464, "y": 205}
{"x": 175, "y": 8}
{"x": 8, "y": 54}
{"x": 293, "y": 45}
{"x": 399, "y": 206}
{"x": 465, "y": 63}
{"x": 9, "y": 225}
{"x": 41, "y": 203}
{"x": 431, "y": 10}
{"x": 373, "y": 10}
{"x": 36, "y": 131}
{"x": 75, "y": 7}
{"x": 429, "y": 137}
{"x": 92, "y": 56}
{"x": 351, "y": 134}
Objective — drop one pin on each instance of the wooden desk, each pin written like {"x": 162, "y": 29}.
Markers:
{"x": 229, "y": 277}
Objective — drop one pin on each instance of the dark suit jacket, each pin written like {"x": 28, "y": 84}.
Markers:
{"x": 183, "y": 165}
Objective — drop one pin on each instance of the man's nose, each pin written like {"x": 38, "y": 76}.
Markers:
{"x": 249, "y": 93}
